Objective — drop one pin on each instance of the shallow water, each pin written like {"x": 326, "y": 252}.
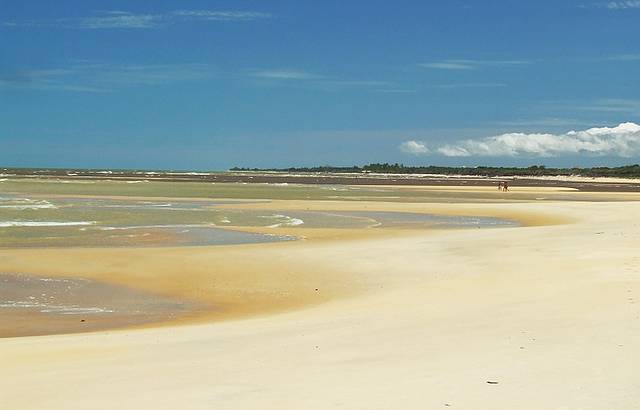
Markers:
{"x": 104, "y": 222}
{"x": 35, "y": 305}
{"x": 418, "y": 220}
{"x": 383, "y": 219}
{"x": 80, "y": 222}
{"x": 269, "y": 191}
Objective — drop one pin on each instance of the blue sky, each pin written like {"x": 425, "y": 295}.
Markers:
{"x": 215, "y": 84}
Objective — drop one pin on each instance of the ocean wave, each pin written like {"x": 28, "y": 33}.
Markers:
{"x": 334, "y": 188}
{"x": 24, "y": 203}
{"x": 60, "y": 309}
{"x": 10, "y": 224}
{"x": 60, "y": 280}
{"x": 114, "y": 228}
{"x": 76, "y": 310}
{"x": 287, "y": 221}
{"x": 25, "y": 207}
{"x": 164, "y": 207}
{"x": 140, "y": 235}
{"x": 32, "y": 179}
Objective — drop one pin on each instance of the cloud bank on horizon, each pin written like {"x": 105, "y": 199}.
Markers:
{"x": 622, "y": 140}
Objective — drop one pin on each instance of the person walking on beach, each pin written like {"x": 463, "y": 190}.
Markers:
{"x": 505, "y": 186}
{"x": 500, "y": 186}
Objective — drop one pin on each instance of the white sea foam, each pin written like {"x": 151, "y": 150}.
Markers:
{"x": 60, "y": 309}
{"x": 288, "y": 221}
{"x": 187, "y": 173}
{"x": 25, "y": 207}
{"x": 167, "y": 207}
{"x": 8, "y": 224}
{"x": 60, "y": 280}
{"x": 114, "y": 228}
{"x": 76, "y": 310}
{"x": 24, "y": 204}
{"x": 67, "y": 181}
{"x": 131, "y": 235}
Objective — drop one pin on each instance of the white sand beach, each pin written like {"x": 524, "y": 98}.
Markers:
{"x": 543, "y": 316}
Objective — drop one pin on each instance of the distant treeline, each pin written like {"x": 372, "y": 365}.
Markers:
{"x": 628, "y": 171}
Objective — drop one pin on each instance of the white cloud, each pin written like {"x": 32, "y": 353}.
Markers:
{"x": 145, "y": 74}
{"x": 356, "y": 83}
{"x": 87, "y": 76}
{"x": 414, "y": 147}
{"x": 447, "y": 66}
{"x": 306, "y": 79}
{"x": 625, "y": 57}
{"x": 285, "y": 75}
{"x": 461, "y": 64}
{"x": 544, "y": 122}
{"x": 396, "y": 90}
{"x": 469, "y": 85}
{"x": 622, "y": 5}
{"x": 118, "y": 19}
{"x": 214, "y": 15}
{"x": 622, "y": 141}
{"x": 615, "y": 105}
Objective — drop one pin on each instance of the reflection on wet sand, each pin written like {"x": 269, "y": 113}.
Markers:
{"x": 38, "y": 305}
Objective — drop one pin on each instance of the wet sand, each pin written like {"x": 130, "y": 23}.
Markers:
{"x": 37, "y": 305}
{"x": 538, "y": 316}
{"x": 228, "y": 281}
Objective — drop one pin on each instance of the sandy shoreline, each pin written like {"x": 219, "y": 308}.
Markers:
{"x": 395, "y": 319}
{"x": 221, "y": 281}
